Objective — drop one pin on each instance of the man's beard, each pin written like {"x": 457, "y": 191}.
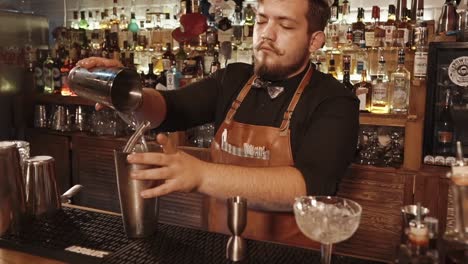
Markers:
{"x": 277, "y": 72}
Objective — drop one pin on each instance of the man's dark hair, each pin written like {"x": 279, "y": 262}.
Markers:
{"x": 318, "y": 14}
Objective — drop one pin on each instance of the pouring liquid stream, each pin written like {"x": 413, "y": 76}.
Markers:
{"x": 132, "y": 121}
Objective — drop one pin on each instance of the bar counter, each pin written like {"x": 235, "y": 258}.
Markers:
{"x": 83, "y": 235}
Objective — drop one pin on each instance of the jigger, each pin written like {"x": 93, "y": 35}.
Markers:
{"x": 236, "y": 248}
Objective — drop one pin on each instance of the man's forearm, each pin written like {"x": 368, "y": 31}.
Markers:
{"x": 269, "y": 188}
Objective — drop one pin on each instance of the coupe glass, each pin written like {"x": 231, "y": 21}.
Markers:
{"x": 327, "y": 219}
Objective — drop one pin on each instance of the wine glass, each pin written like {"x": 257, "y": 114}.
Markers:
{"x": 327, "y": 219}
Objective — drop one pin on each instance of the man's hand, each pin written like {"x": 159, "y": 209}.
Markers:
{"x": 180, "y": 171}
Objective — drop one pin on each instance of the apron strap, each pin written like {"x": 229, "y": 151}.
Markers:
{"x": 236, "y": 103}
{"x": 292, "y": 105}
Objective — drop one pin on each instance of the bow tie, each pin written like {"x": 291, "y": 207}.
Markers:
{"x": 273, "y": 91}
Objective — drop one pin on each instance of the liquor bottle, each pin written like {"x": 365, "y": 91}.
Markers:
{"x": 56, "y": 76}
{"x": 400, "y": 81}
{"x": 363, "y": 91}
{"x": 75, "y": 23}
{"x": 133, "y": 25}
{"x": 362, "y": 57}
{"x": 38, "y": 72}
{"x": 173, "y": 78}
{"x": 208, "y": 59}
{"x": 359, "y": 28}
{"x": 142, "y": 41}
{"x": 379, "y": 102}
{"x": 180, "y": 57}
{"x": 215, "y": 65}
{"x": 462, "y": 11}
{"x": 91, "y": 21}
{"x": 404, "y": 26}
{"x": 83, "y": 24}
{"x": 168, "y": 57}
{"x": 350, "y": 50}
{"x": 444, "y": 127}
{"x": 331, "y": 67}
{"x": 346, "y": 69}
{"x": 448, "y": 19}
{"x": 343, "y": 24}
{"x": 104, "y": 24}
{"x": 390, "y": 26}
{"x": 334, "y": 11}
{"x": 419, "y": 31}
{"x": 123, "y": 25}
{"x": 370, "y": 31}
{"x": 64, "y": 71}
{"x": 114, "y": 20}
{"x": 47, "y": 77}
{"x": 420, "y": 56}
{"x": 150, "y": 78}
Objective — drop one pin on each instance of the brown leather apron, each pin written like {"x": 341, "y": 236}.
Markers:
{"x": 260, "y": 146}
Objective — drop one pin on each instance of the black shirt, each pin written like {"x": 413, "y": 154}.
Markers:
{"x": 324, "y": 125}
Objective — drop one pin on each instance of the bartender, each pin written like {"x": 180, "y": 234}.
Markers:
{"x": 282, "y": 129}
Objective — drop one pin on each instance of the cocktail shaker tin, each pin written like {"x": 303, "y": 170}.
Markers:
{"x": 118, "y": 88}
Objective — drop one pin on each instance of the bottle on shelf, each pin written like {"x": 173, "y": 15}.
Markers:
{"x": 343, "y": 24}
{"x": 83, "y": 24}
{"x": 400, "y": 82}
{"x": 173, "y": 78}
{"x": 331, "y": 67}
{"x": 215, "y": 65}
{"x": 420, "y": 56}
{"x": 380, "y": 103}
{"x": 48, "y": 75}
{"x": 180, "y": 57}
{"x": 346, "y": 73}
{"x": 133, "y": 25}
{"x": 359, "y": 28}
{"x": 38, "y": 71}
{"x": 76, "y": 21}
{"x": 448, "y": 19}
{"x": 334, "y": 11}
{"x": 445, "y": 128}
{"x": 390, "y": 26}
{"x": 150, "y": 78}
{"x": 363, "y": 91}
{"x": 362, "y": 58}
{"x": 168, "y": 58}
{"x": 349, "y": 50}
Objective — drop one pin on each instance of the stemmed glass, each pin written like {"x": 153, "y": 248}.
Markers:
{"x": 327, "y": 219}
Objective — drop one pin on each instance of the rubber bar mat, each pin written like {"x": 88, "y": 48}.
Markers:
{"x": 79, "y": 236}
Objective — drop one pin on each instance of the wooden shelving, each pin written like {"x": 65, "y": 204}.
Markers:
{"x": 62, "y": 100}
{"x": 395, "y": 120}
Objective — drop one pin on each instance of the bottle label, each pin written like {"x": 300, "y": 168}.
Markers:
{"x": 166, "y": 64}
{"x": 207, "y": 61}
{"x": 379, "y": 91}
{"x": 458, "y": 71}
{"x": 370, "y": 39}
{"x": 357, "y": 36}
{"x": 333, "y": 13}
{"x": 444, "y": 136}
{"x": 389, "y": 33}
{"x": 405, "y": 35}
{"x": 420, "y": 64}
{"x": 170, "y": 81}
{"x": 400, "y": 94}
{"x": 360, "y": 65}
{"x": 362, "y": 96}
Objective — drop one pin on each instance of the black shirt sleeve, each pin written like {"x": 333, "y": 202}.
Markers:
{"x": 328, "y": 145}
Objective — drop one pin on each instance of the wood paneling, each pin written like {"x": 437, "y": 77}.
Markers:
{"x": 93, "y": 167}
{"x": 381, "y": 193}
{"x": 57, "y": 146}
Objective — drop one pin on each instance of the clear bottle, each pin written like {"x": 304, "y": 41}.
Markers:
{"x": 48, "y": 75}
{"x": 215, "y": 65}
{"x": 168, "y": 57}
{"x": 180, "y": 57}
{"x": 343, "y": 24}
{"x": 76, "y": 21}
{"x": 332, "y": 67}
{"x": 173, "y": 78}
{"x": 362, "y": 58}
{"x": 334, "y": 9}
{"x": 350, "y": 50}
{"x": 363, "y": 91}
{"x": 380, "y": 102}
{"x": 400, "y": 80}
{"x": 114, "y": 20}
{"x": 104, "y": 24}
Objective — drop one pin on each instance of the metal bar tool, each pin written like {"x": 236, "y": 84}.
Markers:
{"x": 236, "y": 248}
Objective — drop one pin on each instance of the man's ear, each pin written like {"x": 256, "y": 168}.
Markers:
{"x": 317, "y": 39}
